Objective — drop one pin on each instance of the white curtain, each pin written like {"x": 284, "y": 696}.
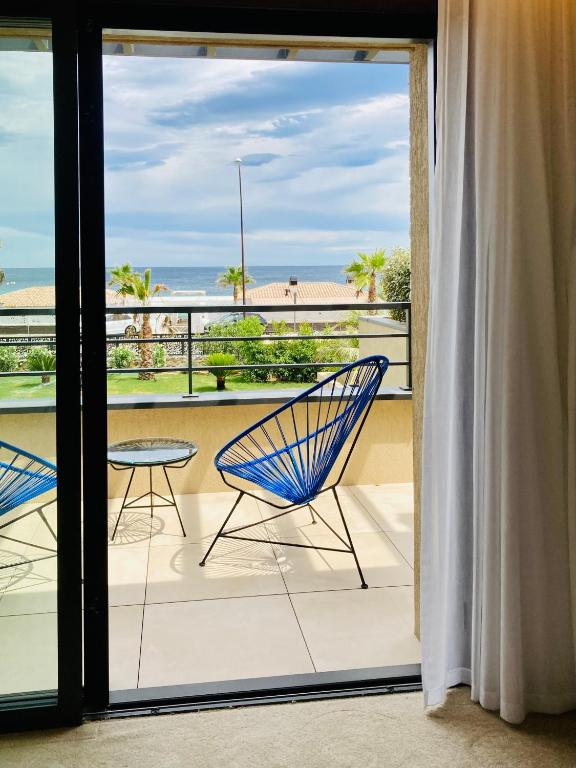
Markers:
{"x": 499, "y": 460}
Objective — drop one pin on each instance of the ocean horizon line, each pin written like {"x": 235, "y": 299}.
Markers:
{"x": 191, "y": 278}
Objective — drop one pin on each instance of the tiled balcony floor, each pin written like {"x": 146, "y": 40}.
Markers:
{"x": 254, "y": 610}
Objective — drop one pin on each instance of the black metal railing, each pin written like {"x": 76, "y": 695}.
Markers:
{"x": 188, "y": 340}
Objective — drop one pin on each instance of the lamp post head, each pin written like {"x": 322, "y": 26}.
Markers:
{"x": 238, "y": 160}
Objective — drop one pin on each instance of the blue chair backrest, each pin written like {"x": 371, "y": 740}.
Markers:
{"x": 292, "y": 451}
{"x": 23, "y": 476}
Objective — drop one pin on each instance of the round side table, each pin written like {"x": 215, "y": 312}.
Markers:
{"x": 150, "y": 452}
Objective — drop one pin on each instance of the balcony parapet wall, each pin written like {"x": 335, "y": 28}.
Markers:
{"x": 383, "y": 453}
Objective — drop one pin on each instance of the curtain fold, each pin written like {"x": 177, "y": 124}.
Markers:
{"x": 498, "y": 589}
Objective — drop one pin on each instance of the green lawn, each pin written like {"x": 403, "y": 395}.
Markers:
{"x": 27, "y": 387}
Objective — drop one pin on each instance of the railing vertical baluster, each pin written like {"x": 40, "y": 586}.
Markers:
{"x": 190, "y": 384}
{"x": 409, "y": 346}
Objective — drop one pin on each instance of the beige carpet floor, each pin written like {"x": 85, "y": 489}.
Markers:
{"x": 370, "y": 732}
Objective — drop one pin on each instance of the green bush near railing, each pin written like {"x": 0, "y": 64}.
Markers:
{"x": 122, "y": 357}
{"x": 278, "y": 352}
{"x": 41, "y": 359}
{"x": 220, "y": 359}
{"x": 8, "y": 360}
{"x": 396, "y": 278}
{"x": 159, "y": 356}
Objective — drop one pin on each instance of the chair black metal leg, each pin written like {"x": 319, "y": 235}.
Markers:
{"x": 124, "y": 501}
{"x": 21, "y": 517}
{"x": 211, "y": 547}
{"x": 151, "y": 492}
{"x": 364, "y": 585}
{"x": 311, "y": 508}
{"x": 174, "y": 501}
{"x": 53, "y": 552}
{"x": 46, "y": 523}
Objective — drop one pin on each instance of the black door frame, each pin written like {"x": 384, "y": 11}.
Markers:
{"x": 64, "y": 706}
{"x": 79, "y": 228}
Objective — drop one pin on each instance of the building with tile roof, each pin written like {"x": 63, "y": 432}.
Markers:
{"x": 305, "y": 292}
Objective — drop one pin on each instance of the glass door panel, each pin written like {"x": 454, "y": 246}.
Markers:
{"x": 28, "y": 475}
{"x": 39, "y": 556}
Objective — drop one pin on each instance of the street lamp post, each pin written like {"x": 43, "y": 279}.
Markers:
{"x": 293, "y": 283}
{"x": 238, "y": 162}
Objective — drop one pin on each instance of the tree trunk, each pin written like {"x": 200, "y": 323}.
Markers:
{"x": 45, "y": 378}
{"x": 146, "y": 350}
{"x": 220, "y": 383}
{"x": 372, "y": 289}
{"x": 236, "y": 293}
{"x": 372, "y": 293}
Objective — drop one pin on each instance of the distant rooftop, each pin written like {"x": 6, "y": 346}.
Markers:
{"x": 307, "y": 293}
{"x": 41, "y": 296}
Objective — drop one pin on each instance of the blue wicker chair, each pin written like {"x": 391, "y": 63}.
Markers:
{"x": 293, "y": 452}
{"x": 24, "y": 477}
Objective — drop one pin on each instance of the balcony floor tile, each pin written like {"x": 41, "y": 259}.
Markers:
{"x": 307, "y": 570}
{"x": 127, "y": 574}
{"x": 235, "y": 569}
{"x": 358, "y": 518}
{"x": 391, "y": 505}
{"x": 404, "y": 542}
{"x": 125, "y": 624}
{"x": 357, "y": 629}
{"x": 210, "y": 640}
{"x": 202, "y": 515}
{"x": 32, "y": 589}
{"x": 29, "y": 659}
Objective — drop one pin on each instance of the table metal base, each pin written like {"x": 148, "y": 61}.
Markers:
{"x": 150, "y": 493}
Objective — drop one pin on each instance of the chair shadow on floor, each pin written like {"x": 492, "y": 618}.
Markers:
{"x": 134, "y": 527}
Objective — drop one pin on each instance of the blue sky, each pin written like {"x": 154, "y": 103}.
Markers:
{"x": 324, "y": 149}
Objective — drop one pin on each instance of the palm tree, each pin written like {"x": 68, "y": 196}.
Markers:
{"x": 365, "y": 270}
{"x": 233, "y": 277}
{"x": 130, "y": 283}
{"x": 120, "y": 277}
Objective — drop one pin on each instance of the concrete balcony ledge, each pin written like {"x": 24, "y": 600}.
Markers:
{"x": 204, "y": 399}
{"x": 383, "y": 453}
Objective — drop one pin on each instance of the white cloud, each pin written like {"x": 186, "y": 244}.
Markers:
{"x": 339, "y": 181}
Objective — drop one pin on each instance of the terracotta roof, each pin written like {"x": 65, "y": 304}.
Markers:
{"x": 42, "y": 296}
{"x": 311, "y": 293}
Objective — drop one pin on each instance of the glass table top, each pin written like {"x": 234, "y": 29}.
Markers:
{"x": 151, "y": 451}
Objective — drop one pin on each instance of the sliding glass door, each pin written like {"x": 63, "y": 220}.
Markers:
{"x": 150, "y": 149}
{"x": 40, "y": 608}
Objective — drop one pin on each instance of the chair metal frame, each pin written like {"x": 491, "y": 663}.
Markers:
{"x": 379, "y": 364}
{"x": 20, "y": 484}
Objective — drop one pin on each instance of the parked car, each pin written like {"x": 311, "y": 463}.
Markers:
{"x": 234, "y": 317}
{"x": 127, "y": 325}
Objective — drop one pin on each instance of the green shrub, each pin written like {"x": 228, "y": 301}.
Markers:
{"x": 122, "y": 357}
{"x": 351, "y": 325}
{"x": 159, "y": 356}
{"x": 396, "y": 280}
{"x": 249, "y": 326}
{"x": 220, "y": 358}
{"x": 293, "y": 350}
{"x": 246, "y": 352}
{"x": 8, "y": 359}
{"x": 334, "y": 351}
{"x": 302, "y": 349}
{"x": 280, "y": 328}
{"x": 41, "y": 359}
